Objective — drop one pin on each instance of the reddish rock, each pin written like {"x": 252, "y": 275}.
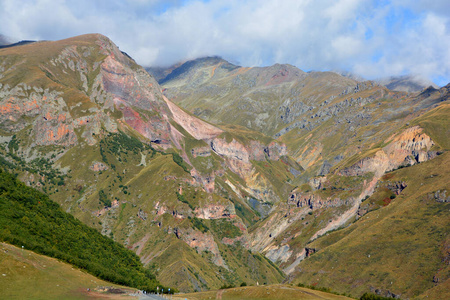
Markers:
{"x": 98, "y": 166}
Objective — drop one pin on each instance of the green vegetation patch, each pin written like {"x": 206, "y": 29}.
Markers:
{"x": 225, "y": 228}
{"x": 199, "y": 224}
{"x": 29, "y": 218}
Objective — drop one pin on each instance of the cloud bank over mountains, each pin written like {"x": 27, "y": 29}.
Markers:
{"x": 370, "y": 38}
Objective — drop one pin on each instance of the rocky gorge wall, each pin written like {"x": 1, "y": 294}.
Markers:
{"x": 410, "y": 146}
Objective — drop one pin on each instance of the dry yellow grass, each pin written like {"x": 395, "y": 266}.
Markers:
{"x": 27, "y": 275}
{"x": 279, "y": 292}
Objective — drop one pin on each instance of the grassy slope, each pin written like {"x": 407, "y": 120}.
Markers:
{"x": 27, "y": 275}
{"x": 30, "y": 64}
{"x": 279, "y": 292}
{"x": 398, "y": 247}
{"x": 405, "y": 239}
{"x": 436, "y": 123}
{"x": 30, "y": 218}
{"x": 145, "y": 187}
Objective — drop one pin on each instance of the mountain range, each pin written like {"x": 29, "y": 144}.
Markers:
{"x": 215, "y": 174}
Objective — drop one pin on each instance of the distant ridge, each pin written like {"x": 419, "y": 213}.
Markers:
{"x": 166, "y": 74}
{"x": 21, "y": 43}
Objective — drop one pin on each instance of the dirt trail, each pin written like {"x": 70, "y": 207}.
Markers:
{"x": 219, "y": 294}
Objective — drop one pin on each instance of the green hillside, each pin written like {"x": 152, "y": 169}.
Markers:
{"x": 29, "y": 218}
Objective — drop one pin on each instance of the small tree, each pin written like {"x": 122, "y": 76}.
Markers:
{"x": 103, "y": 198}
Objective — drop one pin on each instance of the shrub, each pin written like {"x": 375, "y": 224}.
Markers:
{"x": 179, "y": 161}
{"x": 181, "y": 198}
{"x": 199, "y": 224}
{"x": 103, "y": 198}
{"x": 368, "y": 296}
{"x": 226, "y": 286}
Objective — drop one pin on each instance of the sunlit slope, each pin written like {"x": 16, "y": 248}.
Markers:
{"x": 399, "y": 247}
{"x": 27, "y": 275}
{"x": 282, "y": 292}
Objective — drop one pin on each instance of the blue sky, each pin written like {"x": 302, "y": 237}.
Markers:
{"x": 367, "y": 37}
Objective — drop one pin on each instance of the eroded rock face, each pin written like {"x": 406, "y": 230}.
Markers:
{"x": 397, "y": 187}
{"x": 132, "y": 90}
{"x": 279, "y": 254}
{"x": 160, "y": 209}
{"x": 440, "y": 196}
{"x": 202, "y": 242}
{"x": 254, "y": 151}
{"x": 411, "y": 142}
{"x": 409, "y": 147}
{"x": 317, "y": 182}
{"x": 16, "y": 103}
{"x": 233, "y": 150}
{"x": 117, "y": 84}
{"x": 263, "y": 237}
{"x": 206, "y": 181}
{"x": 54, "y": 129}
{"x": 377, "y": 164}
{"x": 238, "y": 159}
{"x": 196, "y": 127}
{"x": 215, "y": 211}
{"x": 313, "y": 201}
{"x": 276, "y": 150}
{"x": 45, "y": 111}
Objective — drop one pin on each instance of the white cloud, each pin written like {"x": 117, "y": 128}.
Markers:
{"x": 373, "y": 39}
{"x": 346, "y": 46}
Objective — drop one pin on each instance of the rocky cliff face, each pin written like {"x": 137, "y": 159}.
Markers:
{"x": 238, "y": 159}
{"x": 45, "y": 111}
{"x": 407, "y": 148}
{"x": 108, "y": 81}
